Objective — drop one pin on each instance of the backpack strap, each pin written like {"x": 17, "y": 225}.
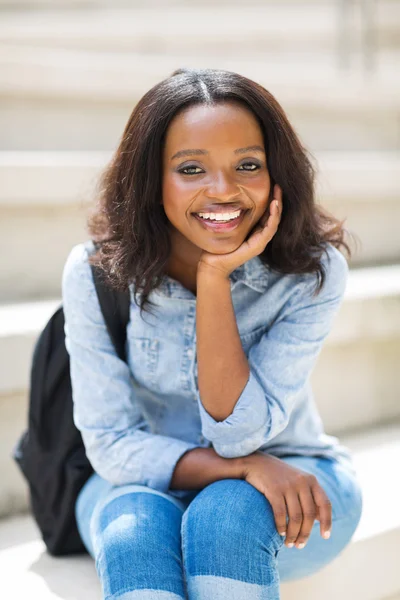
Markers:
{"x": 115, "y": 307}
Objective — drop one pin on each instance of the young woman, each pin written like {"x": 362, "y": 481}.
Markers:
{"x": 213, "y": 475}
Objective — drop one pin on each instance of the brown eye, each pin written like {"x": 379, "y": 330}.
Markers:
{"x": 188, "y": 169}
{"x": 252, "y": 165}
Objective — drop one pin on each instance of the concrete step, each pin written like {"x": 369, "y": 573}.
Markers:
{"x": 80, "y": 5}
{"x": 66, "y": 99}
{"x": 253, "y": 28}
{"x": 22, "y": 6}
{"x": 44, "y": 197}
{"x": 355, "y": 381}
{"x": 29, "y": 571}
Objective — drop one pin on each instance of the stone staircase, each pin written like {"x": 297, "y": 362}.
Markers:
{"x": 70, "y": 74}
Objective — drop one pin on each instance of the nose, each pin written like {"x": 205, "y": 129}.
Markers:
{"x": 223, "y": 187}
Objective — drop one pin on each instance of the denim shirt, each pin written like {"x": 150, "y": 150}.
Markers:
{"x": 138, "y": 418}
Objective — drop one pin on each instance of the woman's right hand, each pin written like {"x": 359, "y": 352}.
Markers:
{"x": 291, "y": 492}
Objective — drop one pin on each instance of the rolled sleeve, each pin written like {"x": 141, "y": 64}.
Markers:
{"x": 243, "y": 431}
{"x": 281, "y": 363}
{"x": 117, "y": 438}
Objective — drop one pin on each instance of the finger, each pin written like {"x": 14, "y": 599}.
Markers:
{"x": 295, "y": 517}
{"x": 277, "y": 195}
{"x": 278, "y": 202}
{"x": 309, "y": 514}
{"x": 273, "y": 208}
{"x": 275, "y": 211}
{"x": 267, "y": 225}
{"x": 271, "y": 225}
{"x": 324, "y": 507}
{"x": 278, "y": 505}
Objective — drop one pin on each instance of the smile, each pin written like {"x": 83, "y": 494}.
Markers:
{"x": 218, "y": 226}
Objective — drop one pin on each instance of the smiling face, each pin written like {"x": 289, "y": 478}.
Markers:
{"x": 213, "y": 155}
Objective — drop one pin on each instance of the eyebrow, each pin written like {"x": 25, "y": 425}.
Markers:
{"x": 201, "y": 151}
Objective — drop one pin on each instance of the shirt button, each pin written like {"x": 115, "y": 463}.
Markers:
{"x": 190, "y": 352}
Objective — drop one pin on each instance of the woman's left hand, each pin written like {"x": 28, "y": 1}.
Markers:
{"x": 265, "y": 229}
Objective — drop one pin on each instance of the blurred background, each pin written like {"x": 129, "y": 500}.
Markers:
{"x": 71, "y": 72}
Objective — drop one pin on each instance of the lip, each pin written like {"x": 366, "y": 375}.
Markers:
{"x": 215, "y": 226}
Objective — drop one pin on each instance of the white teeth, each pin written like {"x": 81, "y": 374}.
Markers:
{"x": 219, "y": 216}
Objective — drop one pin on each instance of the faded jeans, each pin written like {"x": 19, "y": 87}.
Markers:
{"x": 221, "y": 543}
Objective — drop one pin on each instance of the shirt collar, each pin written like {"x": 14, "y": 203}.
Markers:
{"x": 253, "y": 273}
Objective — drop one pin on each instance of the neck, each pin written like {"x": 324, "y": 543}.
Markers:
{"x": 183, "y": 261}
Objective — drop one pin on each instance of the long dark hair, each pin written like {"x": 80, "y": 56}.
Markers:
{"x": 129, "y": 223}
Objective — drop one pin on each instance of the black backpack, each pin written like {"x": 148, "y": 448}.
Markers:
{"x": 50, "y": 453}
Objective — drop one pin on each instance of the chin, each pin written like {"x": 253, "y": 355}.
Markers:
{"x": 223, "y": 248}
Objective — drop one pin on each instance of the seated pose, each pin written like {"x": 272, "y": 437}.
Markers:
{"x": 213, "y": 476}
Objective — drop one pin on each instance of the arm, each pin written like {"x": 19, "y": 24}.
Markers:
{"x": 117, "y": 439}
{"x": 223, "y": 370}
{"x": 199, "y": 467}
{"x": 280, "y": 364}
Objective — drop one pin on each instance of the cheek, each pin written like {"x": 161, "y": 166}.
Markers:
{"x": 262, "y": 188}
{"x": 264, "y": 199}
{"x": 174, "y": 209}
{"x": 174, "y": 184}
{"x": 173, "y": 188}
{"x": 260, "y": 191}
{"x": 177, "y": 197}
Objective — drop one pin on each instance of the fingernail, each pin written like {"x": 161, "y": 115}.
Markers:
{"x": 300, "y": 546}
{"x": 326, "y": 534}
{"x": 277, "y": 203}
{"x": 290, "y": 545}
{"x": 283, "y": 533}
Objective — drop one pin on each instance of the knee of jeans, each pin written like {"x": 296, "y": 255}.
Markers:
{"x": 114, "y": 523}
{"x": 134, "y": 518}
{"x": 351, "y": 501}
{"x": 82, "y": 507}
{"x": 88, "y": 496}
{"x": 231, "y": 510}
{"x": 357, "y": 504}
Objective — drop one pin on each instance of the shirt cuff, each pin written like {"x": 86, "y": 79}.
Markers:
{"x": 244, "y": 428}
{"x": 163, "y": 469}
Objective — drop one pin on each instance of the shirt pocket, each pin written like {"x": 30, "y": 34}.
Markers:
{"x": 144, "y": 358}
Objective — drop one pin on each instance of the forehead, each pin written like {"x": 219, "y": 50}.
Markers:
{"x": 201, "y": 126}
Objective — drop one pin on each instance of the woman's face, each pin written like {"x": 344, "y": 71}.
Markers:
{"x": 213, "y": 156}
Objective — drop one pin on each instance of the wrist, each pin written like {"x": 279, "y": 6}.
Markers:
{"x": 242, "y": 465}
{"x": 210, "y": 273}
{"x": 247, "y": 461}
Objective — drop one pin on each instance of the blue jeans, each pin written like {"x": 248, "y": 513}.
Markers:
{"x": 220, "y": 543}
